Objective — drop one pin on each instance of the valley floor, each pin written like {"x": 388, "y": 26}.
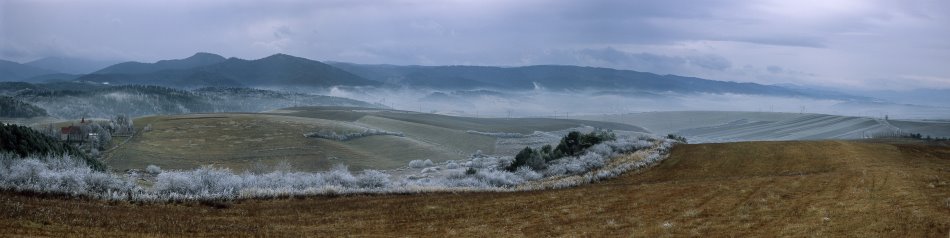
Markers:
{"x": 808, "y": 188}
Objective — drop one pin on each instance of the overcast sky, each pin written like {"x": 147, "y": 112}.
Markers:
{"x": 860, "y": 44}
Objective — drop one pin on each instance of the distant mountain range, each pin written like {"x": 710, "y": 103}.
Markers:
{"x": 197, "y": 60}
{"x": 13, "y": 71}
{"x": 562, "y": 78}
{"x": 70, "y": 65}
{"x": 286, "y": 71}
{"x": 210, "y": 70}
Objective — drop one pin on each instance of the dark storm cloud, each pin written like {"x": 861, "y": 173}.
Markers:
{"x": 848, "y": 41}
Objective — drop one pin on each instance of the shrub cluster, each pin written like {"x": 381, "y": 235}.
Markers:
{"x": 332, "y": 135}
{"x": 676, "y": 138}
{"x": 573, "y": 144}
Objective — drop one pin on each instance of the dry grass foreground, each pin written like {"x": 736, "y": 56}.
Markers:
{"x": 829, "y": 188}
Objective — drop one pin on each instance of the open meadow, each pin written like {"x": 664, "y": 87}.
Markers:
{"x": 239, "y": 141}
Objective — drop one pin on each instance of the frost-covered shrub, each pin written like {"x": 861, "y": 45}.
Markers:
{"x": 487, "y": 162}
{"x": 205, "y": 182}
{"x": 57, "y": 175}
{"x": 153, "y": 169}
{"x": 427, "y": 163}
{"x": 416, "y": 164}
{"x": 528, "y": 174}
{"x": 340, "y": 176}
{"x": 452, "y": 165}
{"x": 373, "y": 179}
{"x": 498, "y": 178}
{"x": 430, "y": 170}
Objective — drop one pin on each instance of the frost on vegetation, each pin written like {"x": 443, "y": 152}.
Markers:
{"x": 332, "y": 135}
{"x": 153, "y": 169}
{"x": 59, "y": 175}
{"x": 418, "y": 164}
{"x": 68, "y": 176}
{"x": 452, "y": 165}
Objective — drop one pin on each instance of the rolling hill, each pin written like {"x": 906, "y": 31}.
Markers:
{"x": 72, "y": 100}
{"x": 239, "y": 140}
{"x": 196, "y": 60}
{"x": 787, "y": 189}
{"x": 723, "y": 126}
{"x": 209, "y": 70}
{"x": 13, "y": 71}
{"x": 70, "y": 65}
{"x": 560, "y": 77}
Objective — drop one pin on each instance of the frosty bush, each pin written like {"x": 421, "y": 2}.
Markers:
{"x": 452, "y": 165}
{"x": 153, "y": 169}
{"x": 340, "y": 176}
{"x": 373, "y": 179}
{"x": 204, "y": 182}
{"x": 58, "y": 175}
{"x": 416, "y": 164}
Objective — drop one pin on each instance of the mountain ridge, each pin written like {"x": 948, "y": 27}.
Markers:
{"x": 205, "y": 69}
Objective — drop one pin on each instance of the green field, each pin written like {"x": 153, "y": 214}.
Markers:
{"x": 242, "y": 140}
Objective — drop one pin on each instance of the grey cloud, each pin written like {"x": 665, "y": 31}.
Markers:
{"x": 661, "y": 36}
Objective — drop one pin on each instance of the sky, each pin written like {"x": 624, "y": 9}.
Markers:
{"x": 840, "y": 44}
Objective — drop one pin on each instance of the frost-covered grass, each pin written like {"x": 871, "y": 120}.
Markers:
{"x": 64, "y": 175}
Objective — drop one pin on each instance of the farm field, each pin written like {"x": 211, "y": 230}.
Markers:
{"x": 241, "y": 140}
{"x": 715, "y": 126}
{"x": 809, "y": 188}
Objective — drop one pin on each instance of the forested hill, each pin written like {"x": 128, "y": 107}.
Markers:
{"x": 23, "y": 142}
{"x": 104, "y": 101}
{"x": 209, "y": 70}
{"x": 10, "y": 107}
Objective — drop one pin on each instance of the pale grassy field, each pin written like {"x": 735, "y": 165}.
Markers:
{"x": 240, "y": 140}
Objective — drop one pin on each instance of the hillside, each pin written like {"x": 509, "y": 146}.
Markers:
{"x": 559, "y": 77}
{"x": 791, "y": 189}
{"x": 73, "y": 100}
{"x": 10, "y": 107}
{"x": 13, "y": 71}
{"x": 239, "y": 140}
{"x": 209, "y": 70}
{"x": 196, "y": 60}
{"x": 70, "y": 65}
{"x": 22, "y": 141}
{"x": 725, "y": 126}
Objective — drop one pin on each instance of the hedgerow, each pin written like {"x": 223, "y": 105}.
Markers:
{"x": 67, "y": 176}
